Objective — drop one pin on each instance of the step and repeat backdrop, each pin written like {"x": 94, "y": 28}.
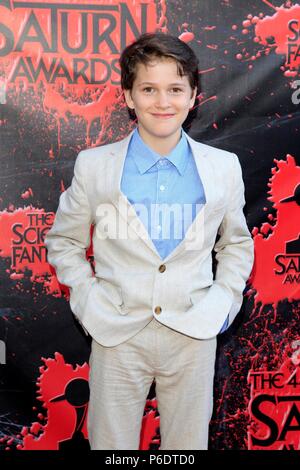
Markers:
{"x": 60, "y": 93}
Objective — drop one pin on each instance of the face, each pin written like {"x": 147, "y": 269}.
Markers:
{"x": 161, "y": 100}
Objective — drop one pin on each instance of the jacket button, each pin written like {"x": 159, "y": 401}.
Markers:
{"x": 162, "y": 268}
{"x": 157, "y": 310}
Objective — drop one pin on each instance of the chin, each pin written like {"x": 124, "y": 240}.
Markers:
{"x": 167, "y": 132}
{"x": 164, "y": 130}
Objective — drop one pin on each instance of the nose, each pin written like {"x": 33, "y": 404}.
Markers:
{"x": 162, "y": 100}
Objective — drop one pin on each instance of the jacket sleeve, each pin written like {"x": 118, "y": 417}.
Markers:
{"x": 234, "y": 249}
{"x": 69, "y": 237}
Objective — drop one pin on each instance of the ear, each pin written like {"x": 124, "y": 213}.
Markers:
{"x": 193, "y": 98}
{"x": 128, "y": 99}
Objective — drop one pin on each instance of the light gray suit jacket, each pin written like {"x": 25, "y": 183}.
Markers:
{"x": 132, "y": 283}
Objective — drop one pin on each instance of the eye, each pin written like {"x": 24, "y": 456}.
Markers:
{"x": 147, "y": 89}
{"x": 177, "y": 90}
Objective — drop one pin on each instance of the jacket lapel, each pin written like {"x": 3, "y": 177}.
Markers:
{"x": 194, "y": 235}
{"x": 114, "y": 170}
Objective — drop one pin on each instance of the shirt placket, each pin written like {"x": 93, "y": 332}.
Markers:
{"x": 161, "y": 199}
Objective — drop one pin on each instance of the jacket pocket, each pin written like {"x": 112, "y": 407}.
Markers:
{"x": 114, "y": 294}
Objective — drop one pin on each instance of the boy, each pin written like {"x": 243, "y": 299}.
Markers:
{"x": 153, "y": 308}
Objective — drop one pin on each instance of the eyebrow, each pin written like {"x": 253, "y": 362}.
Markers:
{"x": 171, "y": 84}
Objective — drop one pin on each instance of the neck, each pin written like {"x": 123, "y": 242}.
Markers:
{"x": 161, "y": 145}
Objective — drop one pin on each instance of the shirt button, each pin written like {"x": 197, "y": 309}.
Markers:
{"x": 157, "y": 310}
{"x": 159, "y": 228}
{"x": 162, "y": 268}
{"x": 162, "y": 187}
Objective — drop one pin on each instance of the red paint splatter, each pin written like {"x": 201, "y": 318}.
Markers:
{"x": 22, "y": 240}
{"x": 273, "y": 34}
{"x": 274, "y": 391}
{"x": 268, "y": 332}
{"x": 205, "y": 100}
{"x": 51, "y": 154}
{"x": 150, "y": 426}
{"x": 100, "y": 108}
{"x": 50, "y": 74}
{"x": 27, "y": 194}
{"x": 187, "y": 36}
{"x": 201, "y": 72}
{"x": 15, "y": 276}
{"x": 60, "y": 420}
{"x": 62, "y": 186}
{"x": 212, "y": 46}
{"x": 209, "y": 28}
{"x": 271, "y": 240}
{"x": 55, "y": 375}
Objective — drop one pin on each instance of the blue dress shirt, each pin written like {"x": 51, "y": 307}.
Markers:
{"x": 158, "y": 187}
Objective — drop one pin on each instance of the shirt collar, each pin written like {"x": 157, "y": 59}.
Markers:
{"x": 145, "y": 157}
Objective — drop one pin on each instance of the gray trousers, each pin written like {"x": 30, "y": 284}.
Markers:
{"x": 120, "y": 379}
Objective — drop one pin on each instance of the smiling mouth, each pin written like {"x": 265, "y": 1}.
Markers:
{"x": 163, "y": 116}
